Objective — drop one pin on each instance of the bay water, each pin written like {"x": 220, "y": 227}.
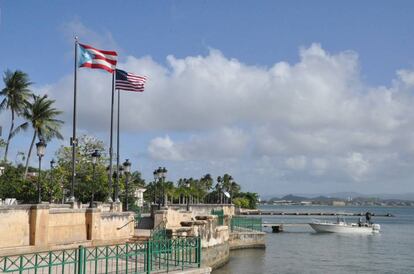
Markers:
{"x": 301, "y": 250}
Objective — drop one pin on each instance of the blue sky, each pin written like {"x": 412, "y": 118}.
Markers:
{"x": 367, "y": 43}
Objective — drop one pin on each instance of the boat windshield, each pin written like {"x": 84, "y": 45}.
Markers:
{"x": 340, "y": 219}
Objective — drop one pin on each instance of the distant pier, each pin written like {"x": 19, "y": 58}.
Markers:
{"x": 281, "y": 213}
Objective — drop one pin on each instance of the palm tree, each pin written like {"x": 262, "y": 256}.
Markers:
{"x": 16, "y": 93}
{"x": 41, "y": 115}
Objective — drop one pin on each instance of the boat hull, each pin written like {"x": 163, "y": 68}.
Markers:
{"x": 344, "y": 228}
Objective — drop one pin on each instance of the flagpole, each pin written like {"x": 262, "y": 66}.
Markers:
{"x": 110, "y": 139}
{"x": 73, "y": 140}
{"x": 117, "y": 151}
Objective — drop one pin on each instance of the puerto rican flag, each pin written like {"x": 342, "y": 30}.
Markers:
{"x": 90, "y": 57}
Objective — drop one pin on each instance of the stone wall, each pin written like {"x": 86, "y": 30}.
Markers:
{"x": 216, "y": 240}
{"x": 171, "y": 217}
{"x": 116, "y": 225}
{"x": 215, "y": 256}
{"x": 67, "y": 226}
{"x": 29, "y": 228}
{"x": 205, "y": 209}
{"x": 14, "y": 226}
{"x": 241, "y": 240}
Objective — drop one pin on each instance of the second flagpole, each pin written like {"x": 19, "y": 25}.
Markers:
{"x": 110, "y": 139}
{"x": 117, "y": 151}
{"x": 73, "y": 140}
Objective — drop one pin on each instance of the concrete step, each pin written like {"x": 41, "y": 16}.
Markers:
{"x": 137, "y": 238}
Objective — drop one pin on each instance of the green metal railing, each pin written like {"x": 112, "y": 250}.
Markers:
{"x": 152, "y": 256}
{"x": 159, "y": 232}
{"x": 220, "y": 216}
{"x": 245, "y": 224}
{"x": 137, "y": 217}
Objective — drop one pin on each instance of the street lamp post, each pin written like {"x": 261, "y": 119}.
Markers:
{"x": 127, "y": 170}
{"x": 187, "y": 185}
{"x": 41, "y": 148}
{"x": 163, "y": 172}
{"x": 52, "y": 167}
{"x": 95, "y": 156}
{"x": 118, "y": 176}
{"x": 155, "y": 185}
{"x": 157, "y": 176}
{"x": 52, "y": 164}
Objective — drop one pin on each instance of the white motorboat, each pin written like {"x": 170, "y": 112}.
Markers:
{"x": 343, "y": 227}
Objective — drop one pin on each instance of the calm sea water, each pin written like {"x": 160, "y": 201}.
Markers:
{"x": 301, "y": 250}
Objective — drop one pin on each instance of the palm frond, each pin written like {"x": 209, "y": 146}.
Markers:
{"x": 21, "y": 127}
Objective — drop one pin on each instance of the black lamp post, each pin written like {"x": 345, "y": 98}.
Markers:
{"x": 52, "y": 164}
{"x": 95, "y": 156}
{"x": 119, "y": 174}
{"x": 111, "y": 174}
{"x": 157, "y": 176}
{"x": 163, "y": 173}
{"x": 52, "y": 167}
{"x": 160, "y": 174}
{"x": 155, "y": 186}
{"x": 127, "y": 170}
{"x": 187, "y": 185}
{"x": 41, "y": 148}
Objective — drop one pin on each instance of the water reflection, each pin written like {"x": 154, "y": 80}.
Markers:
{"x": 300, "y": 250}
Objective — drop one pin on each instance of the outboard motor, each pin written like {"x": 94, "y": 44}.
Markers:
{"x": 376, "y": 228}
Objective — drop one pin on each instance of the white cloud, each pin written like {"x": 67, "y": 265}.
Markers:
{"x": 315, "y": 117}
{"x": 164, "y": 149}
{"x": 356, "y": 165}
{"x": 297, "y": 162}
{"x": 226, "y": 143}
{"x": 319, "y": 166}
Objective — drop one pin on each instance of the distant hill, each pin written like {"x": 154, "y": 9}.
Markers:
{"x": 340, "y": 195}
{"x": 324, "y": 198}
{"x": 290, "y": 197}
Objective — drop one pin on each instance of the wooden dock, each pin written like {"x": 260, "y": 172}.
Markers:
{"x": 279, "y": 227}
{"x": 281, "y": 213}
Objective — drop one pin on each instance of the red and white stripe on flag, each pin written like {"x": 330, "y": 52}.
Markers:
{"x": 129, "y": 81}
{"x": 91, "y": 57}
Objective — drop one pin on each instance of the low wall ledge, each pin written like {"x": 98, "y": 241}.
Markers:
{"x": 116, "y": 214}
{"x": 66, "y": 210}
{"x": 15, "y": 207}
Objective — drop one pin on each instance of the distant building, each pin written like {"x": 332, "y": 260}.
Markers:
{"x": 139, "y": 196}
{"x": 338, "y": 203}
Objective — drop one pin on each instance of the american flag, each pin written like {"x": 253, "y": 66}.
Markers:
{"x": 128, "y": 81}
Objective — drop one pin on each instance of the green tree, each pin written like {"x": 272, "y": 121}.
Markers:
{"x": 16, "y": 93}
{"x": 206, "y": 183}
{"x": 241, "y": 202}
{"x": 84, "y": 169}
{"x": 134, "y": 182}
{"x": 41, "y": 115}
{"x": 251, "y": 197}
{"x": 12, "y": 185}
